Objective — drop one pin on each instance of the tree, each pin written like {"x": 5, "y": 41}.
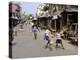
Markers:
{"x": 30, "y": 17}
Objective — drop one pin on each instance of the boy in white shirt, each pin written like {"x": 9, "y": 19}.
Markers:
{"x": 59, "y": 40}
{"x": 47, "y": 38}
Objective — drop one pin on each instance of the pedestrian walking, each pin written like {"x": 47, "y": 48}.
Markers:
{"x": 59, "y": 40}
{"x": 26, "y": 23}
{"x": 21, "y": 25}
{"x": 35, "y": 30}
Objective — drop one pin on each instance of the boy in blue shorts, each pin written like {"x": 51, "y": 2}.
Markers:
{"x": 47, "y": 38}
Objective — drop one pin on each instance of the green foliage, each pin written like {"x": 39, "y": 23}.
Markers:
{"x": 30, "y": 17}
{"x": 27, "y": 16}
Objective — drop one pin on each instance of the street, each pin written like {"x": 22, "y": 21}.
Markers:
{"x": 27, "y": 47}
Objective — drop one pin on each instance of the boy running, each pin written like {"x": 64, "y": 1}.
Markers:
{"x": 47, "y": 38}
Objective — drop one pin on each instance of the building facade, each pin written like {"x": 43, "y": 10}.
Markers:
{"x": 14, "y": 14}
{"x": 43, "y": 15}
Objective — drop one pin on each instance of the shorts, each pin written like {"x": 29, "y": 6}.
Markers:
{"x": 34, "y": 30}
{"x": 59, "y": 41}
{"x": 46, "y": 38}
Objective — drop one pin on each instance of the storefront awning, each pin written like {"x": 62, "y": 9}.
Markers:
{"x": 71, "y": 10}
{"x": 16, "y": 18}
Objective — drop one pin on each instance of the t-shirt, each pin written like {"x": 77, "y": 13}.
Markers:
{"x": 34, "y": 28}
{"x": 58, "y": 36}
{"x": 47, "y": 32}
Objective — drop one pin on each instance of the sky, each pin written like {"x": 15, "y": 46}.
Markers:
{"x": 29, "y": 7}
